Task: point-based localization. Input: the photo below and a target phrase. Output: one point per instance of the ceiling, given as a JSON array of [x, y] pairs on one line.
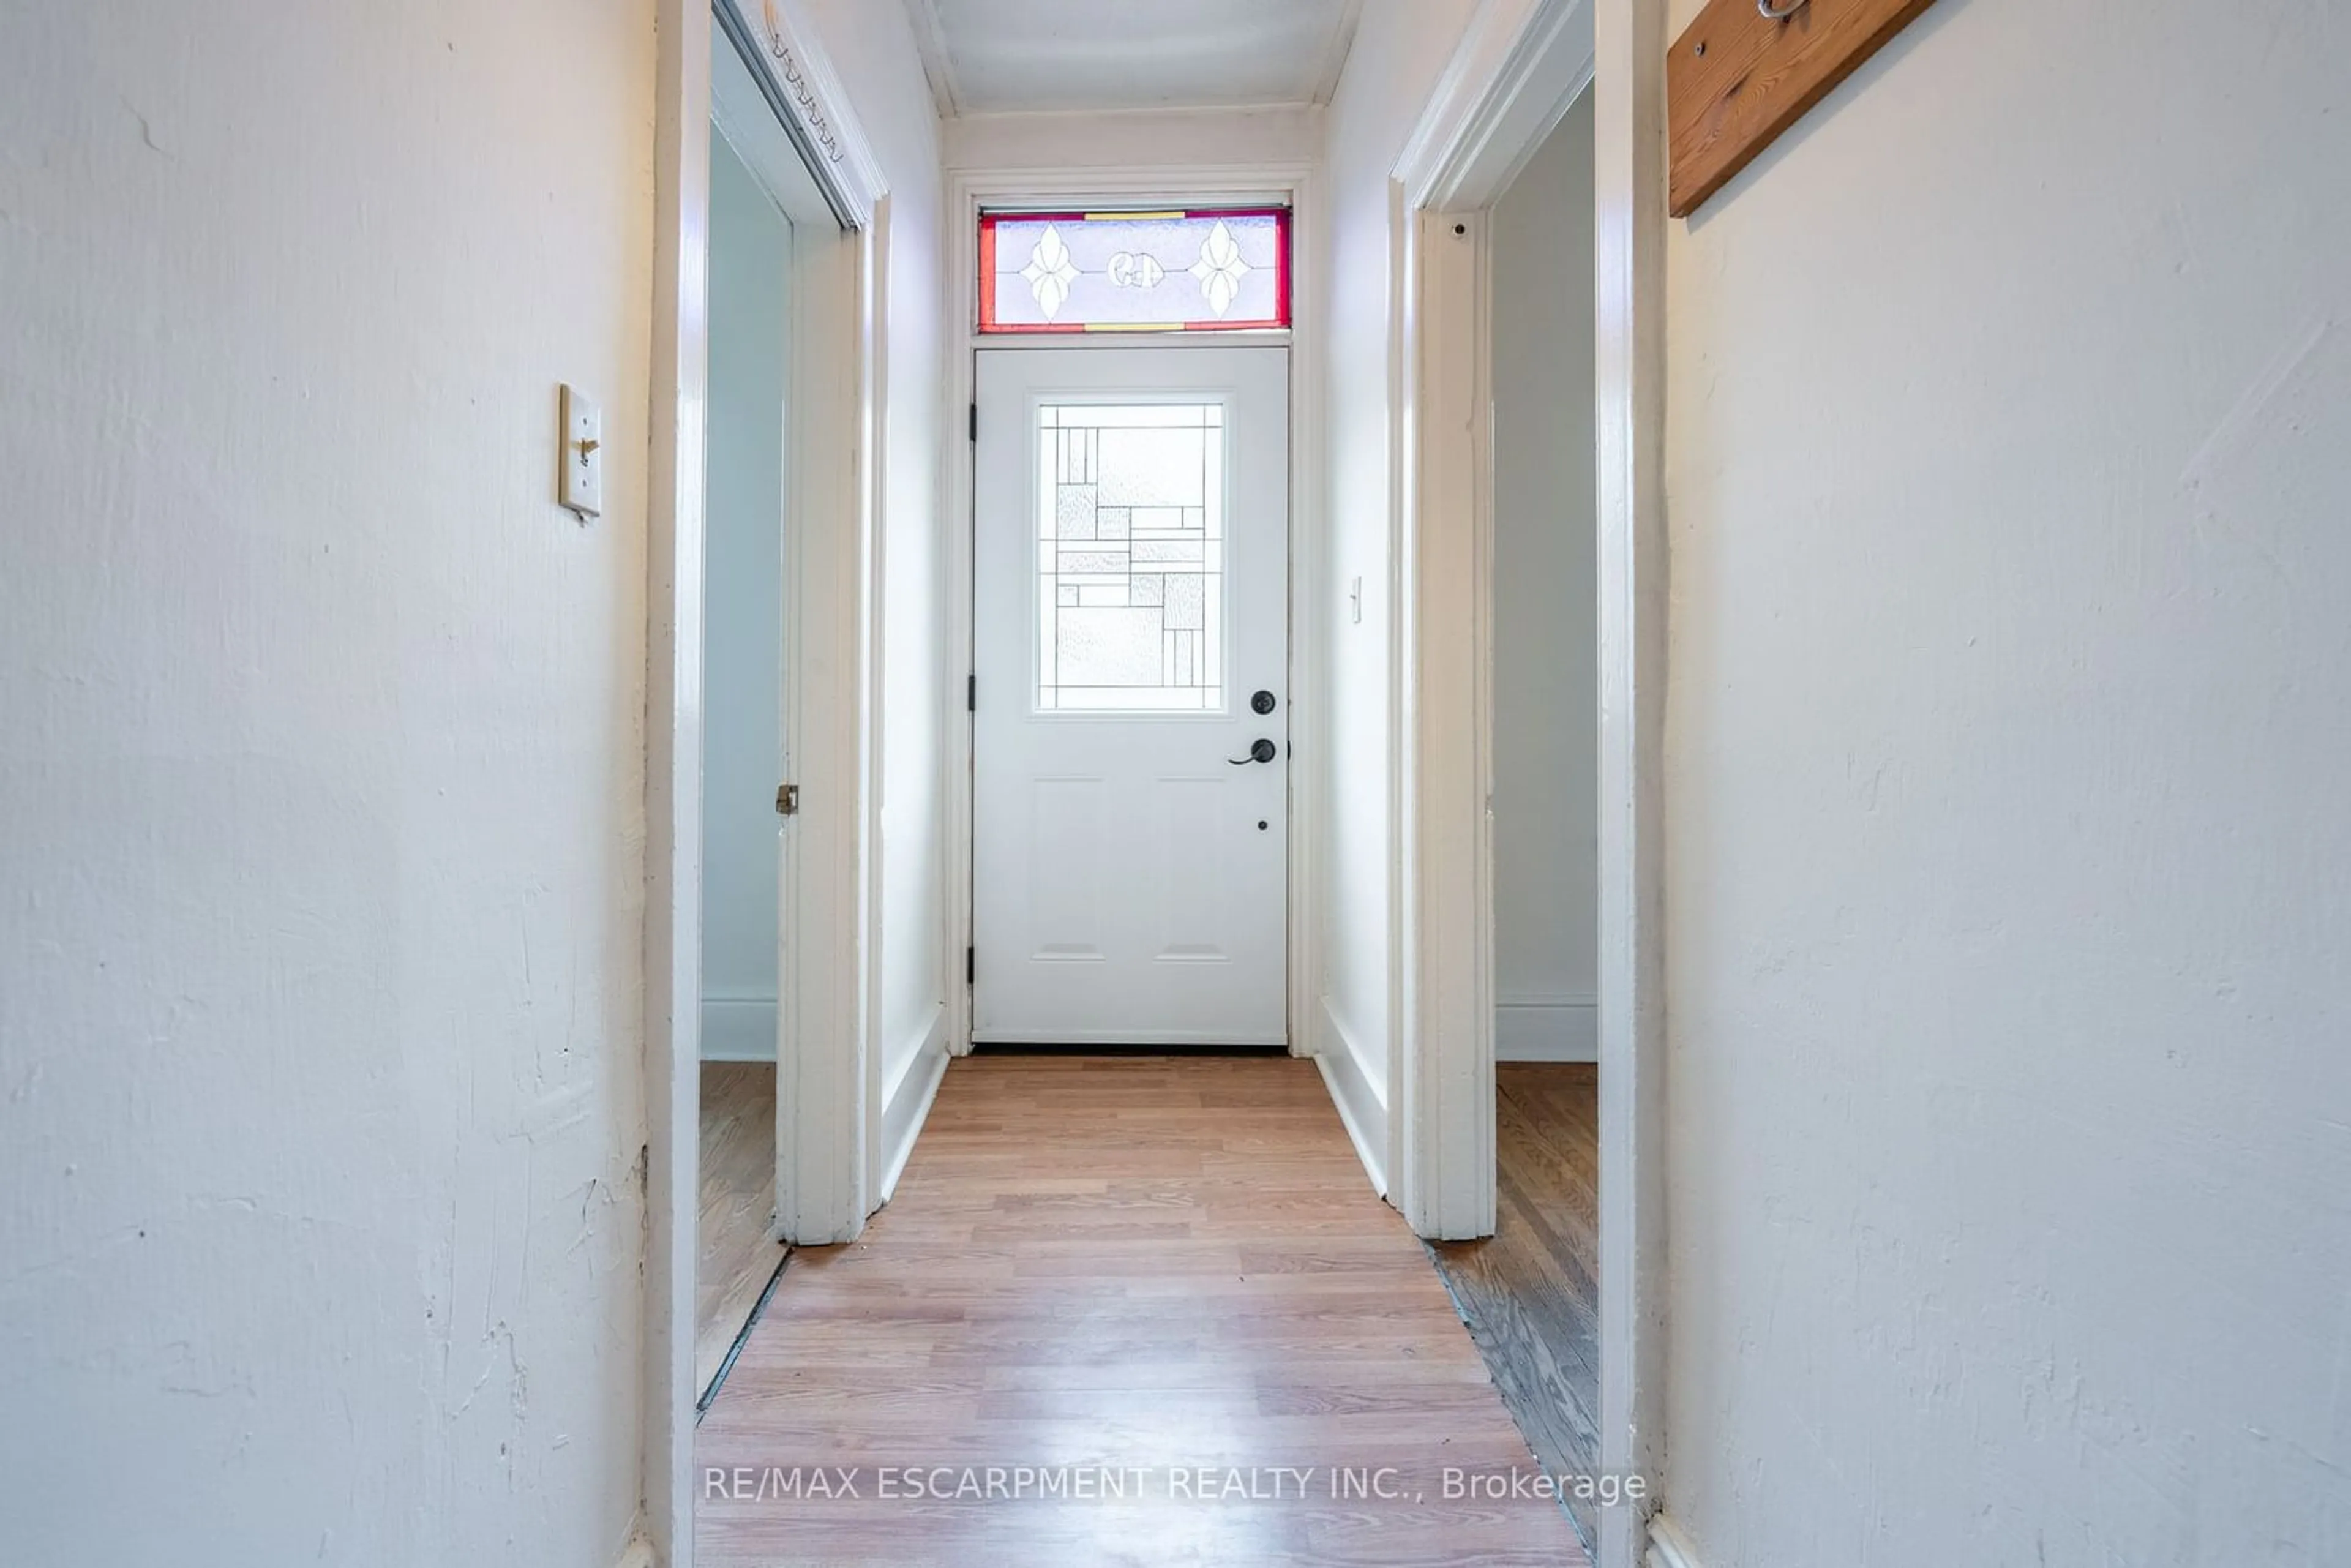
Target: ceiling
[[990, 57]]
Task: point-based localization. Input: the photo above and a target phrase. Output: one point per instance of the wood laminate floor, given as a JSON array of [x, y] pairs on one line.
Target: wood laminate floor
[[1528, 1291], [735, 1257], [1167, 1271]]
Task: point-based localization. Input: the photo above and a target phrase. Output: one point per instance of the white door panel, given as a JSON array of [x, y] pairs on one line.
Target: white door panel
[[1131, 537]]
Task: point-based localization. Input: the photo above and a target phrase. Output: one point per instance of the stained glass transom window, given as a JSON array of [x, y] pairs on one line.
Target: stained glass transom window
[[1133, 272], [1131, 558]]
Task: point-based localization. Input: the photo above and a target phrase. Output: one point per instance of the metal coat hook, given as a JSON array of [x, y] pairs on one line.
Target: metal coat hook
[[1763, 9]]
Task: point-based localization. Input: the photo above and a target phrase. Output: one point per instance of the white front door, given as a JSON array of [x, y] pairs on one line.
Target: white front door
[[1131, 711]]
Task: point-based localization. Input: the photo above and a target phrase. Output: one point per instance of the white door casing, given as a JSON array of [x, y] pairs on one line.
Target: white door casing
[[1130, 860], [824, 1185], [839, 447]]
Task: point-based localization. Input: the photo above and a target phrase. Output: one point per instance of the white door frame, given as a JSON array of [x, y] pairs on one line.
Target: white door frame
[[828, 1151], [1298, 185], [1186, 1006], [1521, 65]]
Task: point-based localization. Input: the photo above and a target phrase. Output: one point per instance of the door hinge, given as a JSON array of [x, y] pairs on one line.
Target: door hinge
[[788, 799], [971, 693], [970, 965], [974, 421]]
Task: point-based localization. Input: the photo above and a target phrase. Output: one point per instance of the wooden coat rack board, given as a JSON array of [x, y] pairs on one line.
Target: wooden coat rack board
[[1740, 76]]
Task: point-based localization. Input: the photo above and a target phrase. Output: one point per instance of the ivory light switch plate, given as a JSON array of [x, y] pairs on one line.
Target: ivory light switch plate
[[583, 454]]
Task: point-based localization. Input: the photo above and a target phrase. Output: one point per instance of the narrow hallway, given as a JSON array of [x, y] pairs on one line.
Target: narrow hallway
[[1161, 1275]]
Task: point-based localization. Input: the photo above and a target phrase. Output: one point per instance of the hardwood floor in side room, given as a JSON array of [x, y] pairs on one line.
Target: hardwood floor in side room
[[1128, 1265], [1529, 1290], [735, 1257]]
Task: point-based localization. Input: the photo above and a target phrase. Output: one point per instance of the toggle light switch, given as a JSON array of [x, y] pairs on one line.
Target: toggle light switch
[[583, 454]]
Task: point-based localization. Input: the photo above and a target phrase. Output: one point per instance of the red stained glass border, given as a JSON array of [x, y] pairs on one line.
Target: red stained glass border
[[989, 325]]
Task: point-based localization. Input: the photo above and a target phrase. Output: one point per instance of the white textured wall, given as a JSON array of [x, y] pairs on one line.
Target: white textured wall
[[1546, 675], [742, 682], [320, 781], [2010, 862], [1400, 50], [872, 46], [1131, 140]]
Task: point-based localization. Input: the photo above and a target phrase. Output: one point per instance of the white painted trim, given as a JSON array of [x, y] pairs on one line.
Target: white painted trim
[[1339, 44], [1516, 71], [1120, 145], [1630, 191], [1440, 710], [1441, 656], [946, 88], [1047, 342], [673, 629], [1403, 287], [738, 1029], [818, 109], [823, 490], [1668, 1547], [743, 96], [906, 1102], [1362, 1099], [1301, 185], [1309, 685], [824, 1055], [875, 483], [973, 189], [938, 59], [1547, 1028], [958, 388]]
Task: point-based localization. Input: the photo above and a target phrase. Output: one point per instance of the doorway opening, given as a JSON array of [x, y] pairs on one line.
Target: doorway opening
[[766, 208], [1125, 830], [1516, 77], [1529, 1292], [752, 72]]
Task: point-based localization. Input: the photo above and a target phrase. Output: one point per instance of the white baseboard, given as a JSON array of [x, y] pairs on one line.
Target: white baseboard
[[906, 1099], [738, 1029], [1362, 1099], [1668, 1547], [1547, 1028]]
